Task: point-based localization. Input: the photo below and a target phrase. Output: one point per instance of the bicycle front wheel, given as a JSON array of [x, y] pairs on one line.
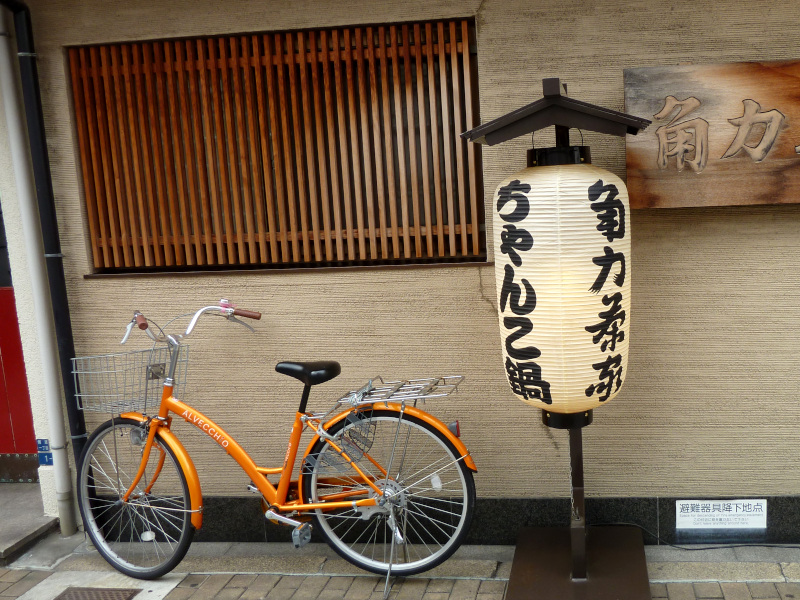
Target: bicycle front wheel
[[428, 494], [148, 535]]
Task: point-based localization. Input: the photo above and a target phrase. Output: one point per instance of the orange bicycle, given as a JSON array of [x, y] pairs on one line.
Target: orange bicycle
[[389, 486]]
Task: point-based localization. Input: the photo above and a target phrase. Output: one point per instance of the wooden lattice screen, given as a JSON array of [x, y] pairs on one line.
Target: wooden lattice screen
[[336, 146]]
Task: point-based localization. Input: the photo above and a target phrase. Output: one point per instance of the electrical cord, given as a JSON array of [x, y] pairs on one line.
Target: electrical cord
[[695, 548]]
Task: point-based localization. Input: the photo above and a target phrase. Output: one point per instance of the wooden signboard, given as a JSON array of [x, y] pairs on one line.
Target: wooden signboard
[[721, 135]]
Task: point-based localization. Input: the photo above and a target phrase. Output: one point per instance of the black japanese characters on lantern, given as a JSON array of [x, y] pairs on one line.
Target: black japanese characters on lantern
[[610, 374], [524, 375], [512, 291], [609, 327], [611, 214], [526, 380], [605, 263], [513, 240]]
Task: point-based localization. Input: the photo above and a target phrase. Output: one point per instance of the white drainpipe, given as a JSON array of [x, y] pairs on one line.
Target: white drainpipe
[[29, 214]]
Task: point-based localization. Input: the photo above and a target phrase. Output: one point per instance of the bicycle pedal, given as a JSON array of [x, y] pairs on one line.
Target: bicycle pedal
[[301, 535]]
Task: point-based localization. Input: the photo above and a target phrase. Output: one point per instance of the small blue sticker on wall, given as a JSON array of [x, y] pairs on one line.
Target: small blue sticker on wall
[[45, 455]]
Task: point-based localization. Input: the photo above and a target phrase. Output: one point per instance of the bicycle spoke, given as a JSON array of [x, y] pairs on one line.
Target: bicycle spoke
[[431, 520], [96, 465], [117, 523], [369, 543], [102, 512], [426, 476], [349, 529], [114, 462], [436, 508], [420, 537], [154, 522], [342, 517]]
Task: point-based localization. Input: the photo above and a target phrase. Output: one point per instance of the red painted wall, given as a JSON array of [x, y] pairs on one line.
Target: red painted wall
[[16, 422]]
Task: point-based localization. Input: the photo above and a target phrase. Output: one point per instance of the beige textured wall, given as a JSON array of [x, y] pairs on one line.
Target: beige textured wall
[[710, 404]]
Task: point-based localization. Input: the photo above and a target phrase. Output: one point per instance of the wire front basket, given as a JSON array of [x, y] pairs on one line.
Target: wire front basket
[[128, 381]]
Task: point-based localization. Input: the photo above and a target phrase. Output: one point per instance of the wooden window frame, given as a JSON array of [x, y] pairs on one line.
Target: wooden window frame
[[313, 148]]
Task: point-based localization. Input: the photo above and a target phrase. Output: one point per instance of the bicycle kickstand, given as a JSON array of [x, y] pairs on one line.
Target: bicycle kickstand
[[395, 534]]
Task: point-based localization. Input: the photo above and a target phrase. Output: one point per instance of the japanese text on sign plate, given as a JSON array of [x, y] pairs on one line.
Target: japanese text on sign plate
[[722, 514]]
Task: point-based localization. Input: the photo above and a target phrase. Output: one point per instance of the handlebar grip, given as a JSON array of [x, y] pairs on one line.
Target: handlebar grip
[[247, 314], [141, 321]]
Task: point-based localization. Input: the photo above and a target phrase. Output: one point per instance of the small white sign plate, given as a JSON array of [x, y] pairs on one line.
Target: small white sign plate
[[721, 514]]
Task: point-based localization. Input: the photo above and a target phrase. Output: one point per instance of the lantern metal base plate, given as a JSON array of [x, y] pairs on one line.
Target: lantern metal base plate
[[615, 565], [567, 420]]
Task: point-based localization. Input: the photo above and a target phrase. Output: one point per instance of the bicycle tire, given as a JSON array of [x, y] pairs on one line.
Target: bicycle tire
[[150, 534], [431, 493]]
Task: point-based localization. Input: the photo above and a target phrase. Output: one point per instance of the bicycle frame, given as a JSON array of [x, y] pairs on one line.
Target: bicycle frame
[[275, 497]]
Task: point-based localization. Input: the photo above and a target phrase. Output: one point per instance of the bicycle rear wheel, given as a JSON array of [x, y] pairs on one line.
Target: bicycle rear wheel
[[429, 492], [149, 535]]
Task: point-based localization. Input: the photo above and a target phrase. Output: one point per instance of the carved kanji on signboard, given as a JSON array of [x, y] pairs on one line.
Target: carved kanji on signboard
[[772, 121], [687, 141], [684, 139]]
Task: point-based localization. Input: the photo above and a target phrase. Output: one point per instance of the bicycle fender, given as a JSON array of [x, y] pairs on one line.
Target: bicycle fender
[[189, 470], [415, 412]]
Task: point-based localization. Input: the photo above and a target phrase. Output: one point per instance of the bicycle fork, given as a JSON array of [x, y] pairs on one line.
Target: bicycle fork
[[148, 446]]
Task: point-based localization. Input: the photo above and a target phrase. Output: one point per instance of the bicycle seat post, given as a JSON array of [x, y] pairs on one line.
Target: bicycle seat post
[[304, 398]]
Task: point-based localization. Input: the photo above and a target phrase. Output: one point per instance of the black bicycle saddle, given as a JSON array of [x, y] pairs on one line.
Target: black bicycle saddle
[[310, 373]]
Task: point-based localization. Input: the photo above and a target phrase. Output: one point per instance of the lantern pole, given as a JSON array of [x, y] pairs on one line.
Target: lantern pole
[[577, 523], [562, 136], [598, 563], [574, 423]]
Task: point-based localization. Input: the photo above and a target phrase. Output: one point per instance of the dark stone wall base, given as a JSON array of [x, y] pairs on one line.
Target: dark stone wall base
[[229, 519]]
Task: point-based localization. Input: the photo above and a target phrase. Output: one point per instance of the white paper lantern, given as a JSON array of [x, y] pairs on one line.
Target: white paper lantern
[[562, 263]]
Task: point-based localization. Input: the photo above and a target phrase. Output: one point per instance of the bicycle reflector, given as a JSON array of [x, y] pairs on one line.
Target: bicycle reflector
[[454, 428]]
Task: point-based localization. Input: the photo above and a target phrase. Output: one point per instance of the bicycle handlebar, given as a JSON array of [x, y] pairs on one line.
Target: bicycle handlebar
[[224, 308]]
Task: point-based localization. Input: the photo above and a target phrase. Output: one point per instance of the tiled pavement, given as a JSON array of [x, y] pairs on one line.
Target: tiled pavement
[[271, 587], [278, 572], [274, 587], [726, 590]]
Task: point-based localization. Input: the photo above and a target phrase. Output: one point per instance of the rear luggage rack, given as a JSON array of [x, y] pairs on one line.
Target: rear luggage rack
[[378, 390]]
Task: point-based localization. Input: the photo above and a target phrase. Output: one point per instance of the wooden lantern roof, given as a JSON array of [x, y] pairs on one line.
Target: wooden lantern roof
[[558, 110]]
